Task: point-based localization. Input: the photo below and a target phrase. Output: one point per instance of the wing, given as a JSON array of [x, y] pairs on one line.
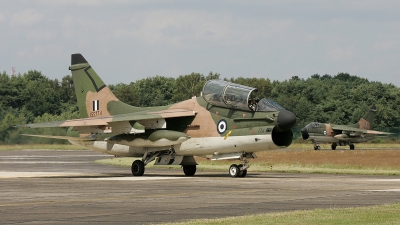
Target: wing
[[123, 123]]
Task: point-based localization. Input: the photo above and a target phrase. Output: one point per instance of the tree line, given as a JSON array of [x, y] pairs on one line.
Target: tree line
[[339, 99]]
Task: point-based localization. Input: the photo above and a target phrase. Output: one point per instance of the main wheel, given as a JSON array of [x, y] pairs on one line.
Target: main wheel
[[137, 168], [234, 170], [317, 147], [242, 173], [334, 146], [189, 170], [351, 147]]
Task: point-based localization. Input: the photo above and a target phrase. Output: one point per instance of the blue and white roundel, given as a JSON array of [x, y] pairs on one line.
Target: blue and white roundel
[[221, 126]]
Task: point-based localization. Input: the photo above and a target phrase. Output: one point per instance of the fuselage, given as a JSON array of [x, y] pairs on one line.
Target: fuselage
[[214, 130]]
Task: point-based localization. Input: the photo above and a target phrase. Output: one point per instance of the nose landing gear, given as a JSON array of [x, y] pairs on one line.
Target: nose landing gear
[[239, 170]]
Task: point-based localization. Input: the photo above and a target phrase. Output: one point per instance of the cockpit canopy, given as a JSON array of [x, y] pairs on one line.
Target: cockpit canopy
[[227, 94], [312, 125]]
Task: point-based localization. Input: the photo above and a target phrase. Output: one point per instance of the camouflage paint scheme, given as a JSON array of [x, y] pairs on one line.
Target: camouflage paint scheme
[[342, 135], [173, 133]]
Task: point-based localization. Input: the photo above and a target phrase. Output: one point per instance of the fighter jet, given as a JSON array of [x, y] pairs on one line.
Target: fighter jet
[[227, 121], [342, 135]]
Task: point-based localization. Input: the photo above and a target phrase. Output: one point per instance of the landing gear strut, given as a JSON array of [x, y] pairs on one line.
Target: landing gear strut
[[138, 166]]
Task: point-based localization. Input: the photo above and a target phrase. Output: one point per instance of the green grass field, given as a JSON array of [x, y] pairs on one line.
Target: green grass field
[[383, 215]]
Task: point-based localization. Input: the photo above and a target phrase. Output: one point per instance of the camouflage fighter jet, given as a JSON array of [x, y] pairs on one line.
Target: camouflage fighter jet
[[226, 122], [342, 135]]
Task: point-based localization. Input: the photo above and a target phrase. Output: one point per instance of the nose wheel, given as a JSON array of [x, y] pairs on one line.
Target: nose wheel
[[239, 170]]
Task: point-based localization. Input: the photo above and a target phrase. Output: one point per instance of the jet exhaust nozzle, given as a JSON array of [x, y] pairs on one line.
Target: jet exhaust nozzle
[[304, 133]]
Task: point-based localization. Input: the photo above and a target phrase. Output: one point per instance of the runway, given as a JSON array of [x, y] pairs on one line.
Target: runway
[[65, 187]]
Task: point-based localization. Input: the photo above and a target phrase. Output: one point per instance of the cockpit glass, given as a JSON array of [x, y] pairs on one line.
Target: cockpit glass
[[236, 96], [267, 105]]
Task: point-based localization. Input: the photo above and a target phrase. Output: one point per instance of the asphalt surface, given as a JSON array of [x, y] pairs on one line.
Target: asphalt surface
[[66, 187]]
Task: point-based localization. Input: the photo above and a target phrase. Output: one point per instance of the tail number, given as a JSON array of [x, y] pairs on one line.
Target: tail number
[[96, 113]]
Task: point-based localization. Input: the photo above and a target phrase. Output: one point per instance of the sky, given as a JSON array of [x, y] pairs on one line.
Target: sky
[[125, 41]]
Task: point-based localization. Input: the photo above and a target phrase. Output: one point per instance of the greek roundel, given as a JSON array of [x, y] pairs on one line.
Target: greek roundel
[[221, 126]]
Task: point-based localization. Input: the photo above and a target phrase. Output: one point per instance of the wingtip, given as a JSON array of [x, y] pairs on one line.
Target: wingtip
[[77, 58]]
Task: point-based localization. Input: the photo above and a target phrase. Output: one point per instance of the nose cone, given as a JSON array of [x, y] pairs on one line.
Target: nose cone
[[304, 133], [286, 120]]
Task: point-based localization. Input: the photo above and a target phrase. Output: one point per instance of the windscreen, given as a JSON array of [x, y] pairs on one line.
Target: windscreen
[[268, 105]]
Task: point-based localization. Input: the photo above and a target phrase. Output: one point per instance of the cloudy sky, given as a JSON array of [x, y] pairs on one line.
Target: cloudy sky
[[129, 40]]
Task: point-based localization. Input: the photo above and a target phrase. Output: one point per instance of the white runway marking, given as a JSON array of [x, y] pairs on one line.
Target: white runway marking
[[6, 174], [136, 178], [49, 156], [385, 180], [40, 162], [386, 190]]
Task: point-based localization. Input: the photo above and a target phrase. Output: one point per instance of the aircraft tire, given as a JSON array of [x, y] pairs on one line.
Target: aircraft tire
[[351, 147], [137, 168], [234, 170], [242, 173], [189, 170], [334, 146], [317, 147]]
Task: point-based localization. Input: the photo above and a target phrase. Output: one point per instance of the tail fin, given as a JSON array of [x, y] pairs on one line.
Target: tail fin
[[93, 96], [367, 121]]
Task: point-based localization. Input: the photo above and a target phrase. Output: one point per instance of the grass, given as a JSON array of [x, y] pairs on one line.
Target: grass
[[307, 145], [383, 214]]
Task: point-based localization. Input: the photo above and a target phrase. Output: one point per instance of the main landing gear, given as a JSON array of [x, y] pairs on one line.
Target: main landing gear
[[165, 157], [189, 170], [137, 168], [334, 145]]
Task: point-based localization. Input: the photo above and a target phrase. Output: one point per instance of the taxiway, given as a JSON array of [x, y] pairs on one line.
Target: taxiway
[[65, 187]]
